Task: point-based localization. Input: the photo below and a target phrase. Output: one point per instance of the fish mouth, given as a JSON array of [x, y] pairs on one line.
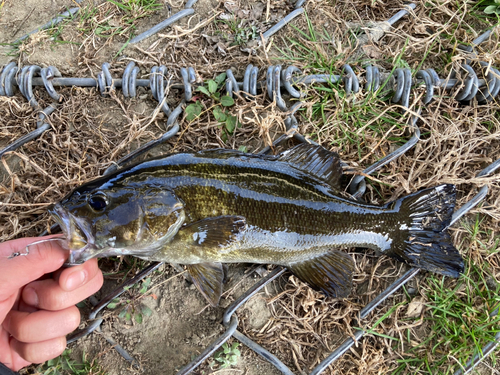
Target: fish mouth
[[80, 240]]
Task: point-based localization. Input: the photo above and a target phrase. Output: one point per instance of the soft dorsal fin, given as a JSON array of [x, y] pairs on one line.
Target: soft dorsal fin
[[316, 161], [331, 273]]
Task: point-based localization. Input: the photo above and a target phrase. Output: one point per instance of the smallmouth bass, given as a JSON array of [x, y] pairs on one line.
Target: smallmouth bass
[[224, 206]]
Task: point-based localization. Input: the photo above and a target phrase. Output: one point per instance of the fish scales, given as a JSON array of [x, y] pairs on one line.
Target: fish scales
[[266, 199], [223, 206]]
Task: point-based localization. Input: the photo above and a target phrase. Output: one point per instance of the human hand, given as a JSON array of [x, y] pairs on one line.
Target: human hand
[[37, 300]]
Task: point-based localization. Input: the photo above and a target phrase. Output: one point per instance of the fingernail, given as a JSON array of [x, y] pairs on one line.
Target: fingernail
[[75, 280], [30, 296]]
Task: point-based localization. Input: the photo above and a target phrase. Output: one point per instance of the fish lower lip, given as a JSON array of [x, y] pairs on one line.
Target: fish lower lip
[[77, 233]]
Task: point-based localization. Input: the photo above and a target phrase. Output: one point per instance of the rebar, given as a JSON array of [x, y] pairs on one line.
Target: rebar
[[278, 80]]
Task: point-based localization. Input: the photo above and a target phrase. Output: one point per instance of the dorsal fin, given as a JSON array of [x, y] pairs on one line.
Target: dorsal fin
[[221, 153], [316, 161]]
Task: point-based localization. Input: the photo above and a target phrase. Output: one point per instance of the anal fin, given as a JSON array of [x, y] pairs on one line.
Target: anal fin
[[209, 279], [331, 273]]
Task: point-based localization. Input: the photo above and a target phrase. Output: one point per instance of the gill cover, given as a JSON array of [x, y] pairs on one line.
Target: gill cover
[[118, 220]]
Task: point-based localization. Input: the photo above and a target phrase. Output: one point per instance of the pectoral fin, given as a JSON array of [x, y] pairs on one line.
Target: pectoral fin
[[212, 232], [331, 273], [208, 277]]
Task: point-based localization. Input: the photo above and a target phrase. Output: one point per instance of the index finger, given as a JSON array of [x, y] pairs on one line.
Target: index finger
[[43, 258]]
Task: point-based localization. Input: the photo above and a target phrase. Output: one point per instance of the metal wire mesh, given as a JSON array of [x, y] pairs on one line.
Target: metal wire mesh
[[278, 79]]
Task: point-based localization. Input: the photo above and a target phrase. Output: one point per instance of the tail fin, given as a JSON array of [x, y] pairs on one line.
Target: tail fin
[[425, 242]]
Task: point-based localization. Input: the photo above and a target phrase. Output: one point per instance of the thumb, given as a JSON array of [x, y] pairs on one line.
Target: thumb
[[43, 258]]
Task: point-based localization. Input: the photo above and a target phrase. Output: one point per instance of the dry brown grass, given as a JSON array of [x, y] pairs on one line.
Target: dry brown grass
[[90, 132]]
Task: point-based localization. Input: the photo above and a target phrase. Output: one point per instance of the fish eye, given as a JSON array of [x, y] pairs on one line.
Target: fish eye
[[98, 202]]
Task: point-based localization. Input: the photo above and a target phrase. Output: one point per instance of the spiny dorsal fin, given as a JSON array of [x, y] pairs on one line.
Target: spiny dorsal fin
[[221, 153], [209, 278], [316, 161], [331, 273]]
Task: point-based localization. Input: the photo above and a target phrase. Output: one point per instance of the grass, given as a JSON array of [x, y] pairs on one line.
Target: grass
[[53, 32], [344, 117], [137, 8], [120, 20], [457, 322], [111, 19], [460, 316], [56, 32], [487, 10], [66, 365], [235, 31]]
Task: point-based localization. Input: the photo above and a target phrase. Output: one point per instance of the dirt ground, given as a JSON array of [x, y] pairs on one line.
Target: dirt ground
[[89, 132]]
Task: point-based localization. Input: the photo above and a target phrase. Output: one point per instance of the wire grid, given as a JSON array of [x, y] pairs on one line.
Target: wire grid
[[488, 88]]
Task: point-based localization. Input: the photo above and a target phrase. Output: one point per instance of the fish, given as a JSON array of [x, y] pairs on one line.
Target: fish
[[207, 208]]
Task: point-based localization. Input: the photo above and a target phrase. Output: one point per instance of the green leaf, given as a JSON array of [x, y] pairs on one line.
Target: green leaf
[[114, 302], [220, 79], [492, 9], [122, 313], [226, 101], [119, 5], [219, 114], [138, 318], [231, 123], [192, 111], [212, 86], [243, 149], [146, 311], [204, 90], [128, 316], [81, 304]]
